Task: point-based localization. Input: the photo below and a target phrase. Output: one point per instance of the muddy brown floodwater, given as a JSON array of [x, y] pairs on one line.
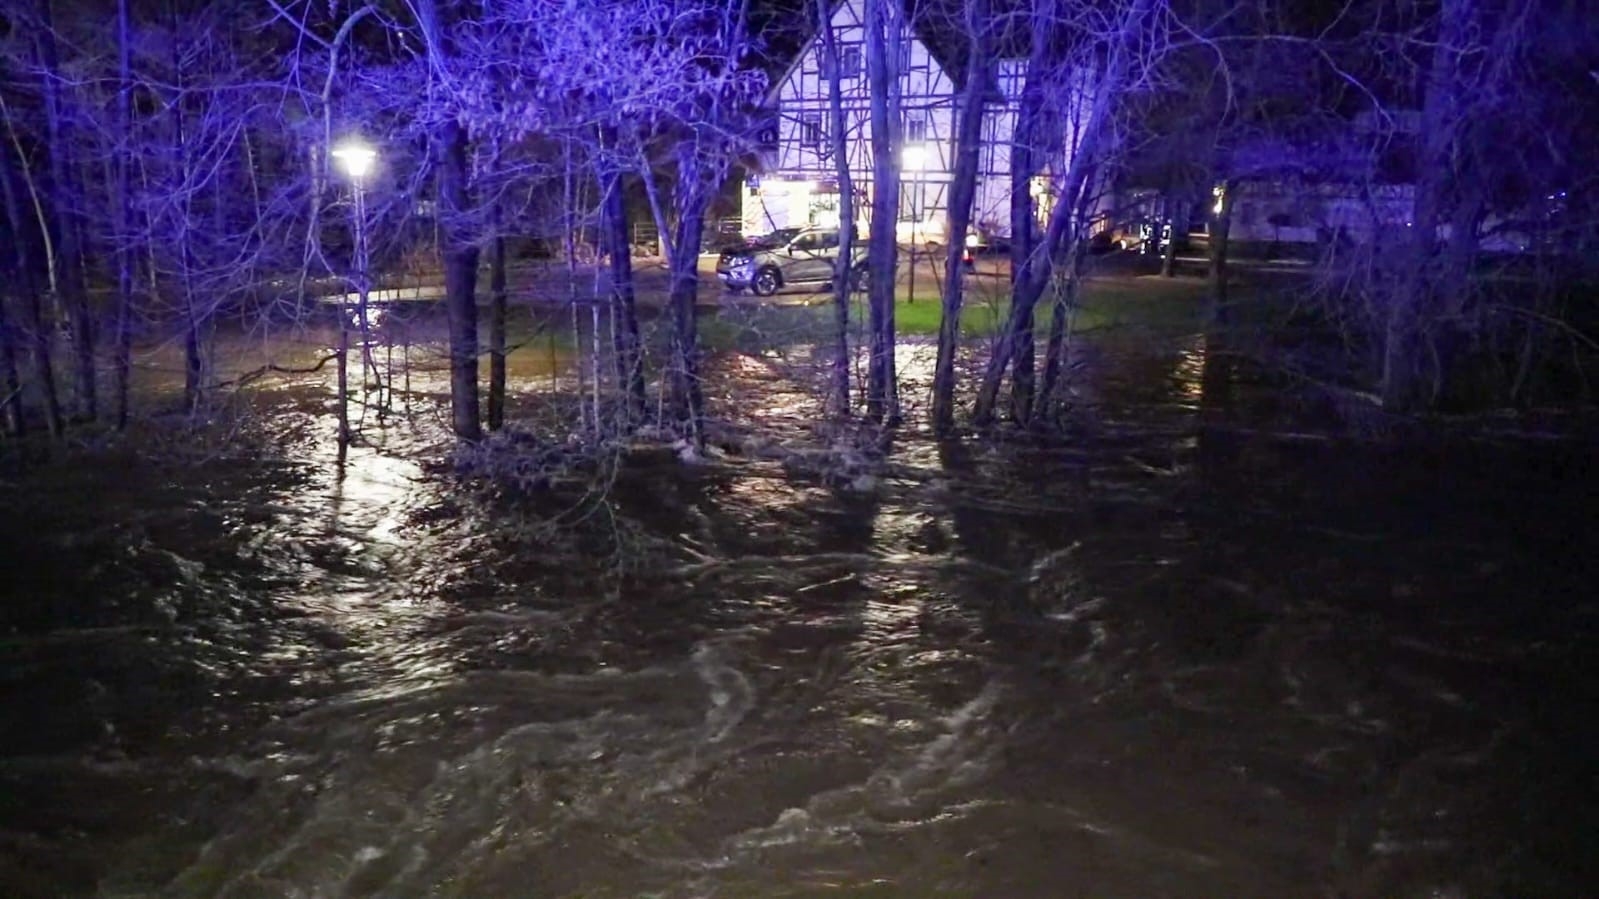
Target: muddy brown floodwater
[[1180, 655]]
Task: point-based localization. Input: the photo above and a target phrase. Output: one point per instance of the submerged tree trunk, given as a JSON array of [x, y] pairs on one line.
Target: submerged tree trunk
[[882, 63], [626, 342], [844, 277], [460, 280], [32, 306], [66, 198], [962, 191]]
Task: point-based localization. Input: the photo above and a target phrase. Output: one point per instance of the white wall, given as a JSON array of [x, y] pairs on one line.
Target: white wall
[[928, 94]]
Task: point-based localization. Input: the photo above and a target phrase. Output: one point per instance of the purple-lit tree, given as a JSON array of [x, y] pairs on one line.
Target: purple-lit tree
[[885, 23], [1084, 64], [844, 273], [979, 27]]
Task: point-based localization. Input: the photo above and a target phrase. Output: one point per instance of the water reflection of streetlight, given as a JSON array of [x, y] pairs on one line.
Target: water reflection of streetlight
[[913, 158], [357, 160]]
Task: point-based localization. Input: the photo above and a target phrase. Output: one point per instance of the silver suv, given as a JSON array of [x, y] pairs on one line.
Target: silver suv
[[808, 258]]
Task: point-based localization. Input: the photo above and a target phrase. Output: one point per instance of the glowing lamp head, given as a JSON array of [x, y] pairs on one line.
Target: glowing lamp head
[[355, 158], [914, 157]]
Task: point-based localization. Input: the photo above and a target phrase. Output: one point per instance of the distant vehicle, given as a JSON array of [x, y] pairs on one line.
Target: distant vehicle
[[808, 258], [1140, 236]]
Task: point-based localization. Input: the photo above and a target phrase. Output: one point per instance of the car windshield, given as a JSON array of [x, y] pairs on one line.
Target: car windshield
[[815, 240], [775, 239]]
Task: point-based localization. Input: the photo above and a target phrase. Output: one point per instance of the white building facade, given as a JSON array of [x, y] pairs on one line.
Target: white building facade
[[797, 183]]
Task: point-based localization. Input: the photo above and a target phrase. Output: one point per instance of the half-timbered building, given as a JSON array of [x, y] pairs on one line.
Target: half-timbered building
[[795, 184]]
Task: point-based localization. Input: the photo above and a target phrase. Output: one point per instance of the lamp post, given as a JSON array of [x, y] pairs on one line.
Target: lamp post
[[357, 160], [913, 159]]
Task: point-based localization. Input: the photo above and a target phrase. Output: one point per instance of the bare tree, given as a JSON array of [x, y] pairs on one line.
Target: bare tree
[[1053, 97], [884, 32], [963, 188], [845, 278], [32, 306], [122, 362], [65, 199], [628, 345], [10, 377]]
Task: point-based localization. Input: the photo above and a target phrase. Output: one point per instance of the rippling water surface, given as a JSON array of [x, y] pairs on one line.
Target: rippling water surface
[[1173, 657]]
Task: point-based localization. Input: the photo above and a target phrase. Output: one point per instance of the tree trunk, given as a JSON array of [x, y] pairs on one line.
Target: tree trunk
[[341, 362], [32, 307], [962, 191], [626, 342], [497, 311], [123, 360], [844, 271], [65, 197], [1221, 226], [1024, 165], [193, 361], [10, 382], [692, 195], [1062, 314], [1409, 308], [1072, 188], [882, 62], [460, 280], [844, 280], [1168, 253]]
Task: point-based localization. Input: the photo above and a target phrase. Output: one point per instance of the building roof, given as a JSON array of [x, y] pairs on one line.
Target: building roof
[[938, 24]]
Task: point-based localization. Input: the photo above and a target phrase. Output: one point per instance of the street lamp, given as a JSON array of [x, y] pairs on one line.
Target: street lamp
[[357, 160], [913, 158]]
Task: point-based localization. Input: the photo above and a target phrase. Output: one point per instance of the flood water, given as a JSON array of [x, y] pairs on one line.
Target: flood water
[[1179, 655]]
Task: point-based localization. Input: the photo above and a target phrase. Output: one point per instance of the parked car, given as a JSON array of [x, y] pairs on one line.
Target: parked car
[[809, 257], [739, 246]]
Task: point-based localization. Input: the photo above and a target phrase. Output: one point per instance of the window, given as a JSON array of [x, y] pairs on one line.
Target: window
[[915, 131], [904, 54], [811, 133], [849, 60]]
